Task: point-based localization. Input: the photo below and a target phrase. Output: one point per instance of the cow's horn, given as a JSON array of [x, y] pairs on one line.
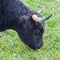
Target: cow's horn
[[38, 19], [41, 10]]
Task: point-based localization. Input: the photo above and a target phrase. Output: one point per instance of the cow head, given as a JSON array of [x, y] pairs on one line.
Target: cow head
[[31, 29]]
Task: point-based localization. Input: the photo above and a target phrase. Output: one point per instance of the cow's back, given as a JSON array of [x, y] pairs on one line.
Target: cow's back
[[12, 9]]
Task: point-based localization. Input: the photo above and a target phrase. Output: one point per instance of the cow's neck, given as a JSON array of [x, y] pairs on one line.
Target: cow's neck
[[11, 11]]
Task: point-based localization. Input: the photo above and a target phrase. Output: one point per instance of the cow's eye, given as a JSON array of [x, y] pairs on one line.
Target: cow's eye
[[37, 31], [41, 30]]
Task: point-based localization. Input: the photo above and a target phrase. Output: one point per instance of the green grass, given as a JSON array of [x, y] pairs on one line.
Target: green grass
[[11, 47]]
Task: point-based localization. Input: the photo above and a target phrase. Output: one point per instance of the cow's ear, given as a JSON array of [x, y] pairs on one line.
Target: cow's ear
[[23, 19]]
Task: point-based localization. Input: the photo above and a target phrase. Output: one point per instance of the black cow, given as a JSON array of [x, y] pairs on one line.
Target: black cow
[[27, 23]]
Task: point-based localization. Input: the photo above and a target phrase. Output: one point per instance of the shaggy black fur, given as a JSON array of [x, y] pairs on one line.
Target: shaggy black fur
[[15, 15]]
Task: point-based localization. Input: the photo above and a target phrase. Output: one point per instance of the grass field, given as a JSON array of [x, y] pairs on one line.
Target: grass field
[[12, 48]]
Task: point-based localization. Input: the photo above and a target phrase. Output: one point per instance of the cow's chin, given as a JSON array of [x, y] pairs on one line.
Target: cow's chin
[[36, 46], [33, 44]]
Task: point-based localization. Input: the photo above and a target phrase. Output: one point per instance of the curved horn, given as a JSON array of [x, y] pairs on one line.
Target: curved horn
[[41, 10], [46, 18], [37, 19]]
